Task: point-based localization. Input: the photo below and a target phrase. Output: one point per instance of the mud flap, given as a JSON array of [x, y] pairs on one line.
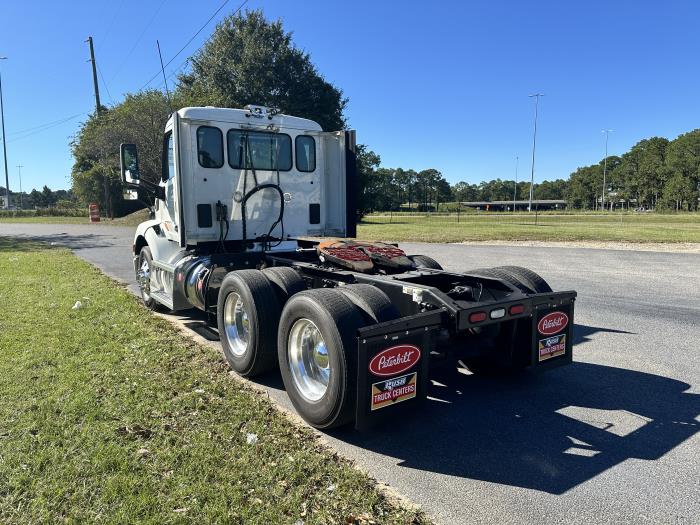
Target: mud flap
[[552, 331], [393, 364]]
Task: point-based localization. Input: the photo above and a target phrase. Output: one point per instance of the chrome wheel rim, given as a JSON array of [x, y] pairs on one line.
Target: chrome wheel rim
[[236, 324], [144, 278], [309, 362]]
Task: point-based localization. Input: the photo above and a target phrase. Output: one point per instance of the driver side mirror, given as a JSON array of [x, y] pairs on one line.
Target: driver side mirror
[[129, 164]]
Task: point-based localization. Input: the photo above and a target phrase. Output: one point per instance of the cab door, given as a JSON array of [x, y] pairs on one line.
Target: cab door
[[171, 214], [167, 208]]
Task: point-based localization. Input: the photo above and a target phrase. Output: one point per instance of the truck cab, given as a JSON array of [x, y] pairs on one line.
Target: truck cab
[[215, 157], [240, 180]]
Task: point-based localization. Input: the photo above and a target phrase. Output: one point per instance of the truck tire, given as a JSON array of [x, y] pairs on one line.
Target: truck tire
[[317, 351], [248, 312], [374, 303], [499, 273], [529, 278], [143, 277], [423, 261], [285, 281]]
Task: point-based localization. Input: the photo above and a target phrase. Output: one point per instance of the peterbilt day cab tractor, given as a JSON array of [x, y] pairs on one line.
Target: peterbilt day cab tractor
[[254, 223]]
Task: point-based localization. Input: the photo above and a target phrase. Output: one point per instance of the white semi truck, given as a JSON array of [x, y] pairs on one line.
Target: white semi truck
[[253, 223]]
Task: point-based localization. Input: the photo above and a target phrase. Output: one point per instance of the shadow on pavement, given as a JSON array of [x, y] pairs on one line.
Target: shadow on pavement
[[548, 432], [583, 333]]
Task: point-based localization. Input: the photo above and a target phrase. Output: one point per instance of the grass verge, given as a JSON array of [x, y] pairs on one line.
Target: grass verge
[[108, 416], [133, 219], [621, 227], [46, 220], [613, 227]]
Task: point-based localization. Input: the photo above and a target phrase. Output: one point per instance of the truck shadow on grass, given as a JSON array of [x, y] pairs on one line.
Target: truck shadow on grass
[[29, 243], [548, 432]]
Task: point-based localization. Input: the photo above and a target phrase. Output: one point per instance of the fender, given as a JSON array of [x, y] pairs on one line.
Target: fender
[[162, 249]]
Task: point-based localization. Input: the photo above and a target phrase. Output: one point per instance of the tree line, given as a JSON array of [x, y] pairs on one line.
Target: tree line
[[44, 198], [251, 60], [384, 189], [655, 173]]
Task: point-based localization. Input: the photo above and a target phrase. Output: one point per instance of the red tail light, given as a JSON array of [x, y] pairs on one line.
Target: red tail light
[[477, 317], [517, 309]]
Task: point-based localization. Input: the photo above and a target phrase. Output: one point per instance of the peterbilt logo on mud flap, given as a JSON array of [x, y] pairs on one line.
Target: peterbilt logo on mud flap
[[553, 323], [394, 360]]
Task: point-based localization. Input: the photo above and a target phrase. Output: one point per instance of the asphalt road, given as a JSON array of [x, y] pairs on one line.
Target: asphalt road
[[613, 438]]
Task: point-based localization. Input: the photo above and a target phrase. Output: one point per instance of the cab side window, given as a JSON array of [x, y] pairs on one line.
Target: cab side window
[[305, 147], [210, 147], [168, 160]]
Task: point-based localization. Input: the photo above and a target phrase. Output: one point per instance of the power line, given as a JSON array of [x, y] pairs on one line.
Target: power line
[[59, 121], [115, 17], [104, 82], [136, 43], [193, 37], [41, 129], [175, 71]]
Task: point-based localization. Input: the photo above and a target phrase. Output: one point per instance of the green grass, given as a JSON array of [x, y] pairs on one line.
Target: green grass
[[629, 227], [107, 415], [133, 219], [46, 220], [551, 226]]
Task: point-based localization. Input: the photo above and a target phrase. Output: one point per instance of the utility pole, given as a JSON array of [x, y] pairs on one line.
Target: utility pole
[[98, 106], [4, 146], [534, 143], [605, 167], [19, 170], [515, 188]]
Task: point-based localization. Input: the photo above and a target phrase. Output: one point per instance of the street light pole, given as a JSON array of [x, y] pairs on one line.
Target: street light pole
[[534, 143], [605, 167], [515, 188], [19, 170], [4, 146]]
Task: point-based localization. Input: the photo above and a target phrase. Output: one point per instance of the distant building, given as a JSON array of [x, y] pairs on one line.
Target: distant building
[[540, 204]]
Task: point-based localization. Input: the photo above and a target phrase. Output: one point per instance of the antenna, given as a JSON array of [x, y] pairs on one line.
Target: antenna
[[164, 77]]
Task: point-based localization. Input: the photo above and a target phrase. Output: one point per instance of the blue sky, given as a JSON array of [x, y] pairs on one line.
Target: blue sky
[[431, 84]]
